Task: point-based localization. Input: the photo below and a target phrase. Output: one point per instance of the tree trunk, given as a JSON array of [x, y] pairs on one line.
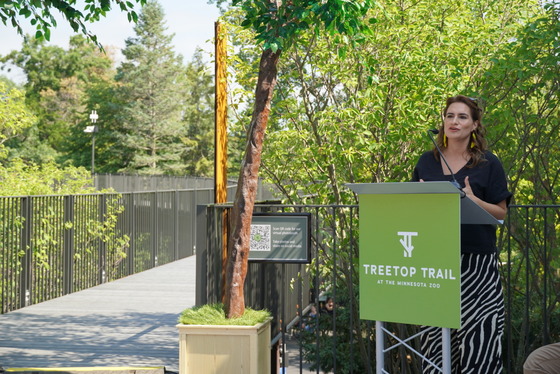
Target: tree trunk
[[238, 245]]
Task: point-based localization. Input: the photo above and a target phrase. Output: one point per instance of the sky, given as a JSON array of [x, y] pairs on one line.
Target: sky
[[192, 22]]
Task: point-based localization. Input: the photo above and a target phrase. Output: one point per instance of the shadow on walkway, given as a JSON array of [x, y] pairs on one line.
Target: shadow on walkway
[[129, 322]]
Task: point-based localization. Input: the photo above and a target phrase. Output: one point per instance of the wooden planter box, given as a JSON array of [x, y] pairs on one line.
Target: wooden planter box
[[224, 349]]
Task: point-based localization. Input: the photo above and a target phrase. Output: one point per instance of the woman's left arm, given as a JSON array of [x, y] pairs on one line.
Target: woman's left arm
[[498, 211]]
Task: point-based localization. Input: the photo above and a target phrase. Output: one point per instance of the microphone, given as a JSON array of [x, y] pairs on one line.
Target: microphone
[[454, 181]]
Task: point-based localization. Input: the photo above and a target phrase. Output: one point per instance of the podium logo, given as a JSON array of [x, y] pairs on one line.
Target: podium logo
[[406, 241]]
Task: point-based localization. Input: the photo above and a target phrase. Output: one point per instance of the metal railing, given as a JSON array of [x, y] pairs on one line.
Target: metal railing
[[55, 245], [342, 343], [143, 183], [51, 246]]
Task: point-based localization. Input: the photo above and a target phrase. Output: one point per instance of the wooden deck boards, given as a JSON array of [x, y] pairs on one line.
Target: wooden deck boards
[[129, 322]]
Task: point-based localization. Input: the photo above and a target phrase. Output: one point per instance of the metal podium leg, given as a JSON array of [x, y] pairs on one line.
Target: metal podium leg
[[379, 347], [446, 345]]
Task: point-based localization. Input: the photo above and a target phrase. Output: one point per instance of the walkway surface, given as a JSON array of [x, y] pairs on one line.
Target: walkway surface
[[129, 322]]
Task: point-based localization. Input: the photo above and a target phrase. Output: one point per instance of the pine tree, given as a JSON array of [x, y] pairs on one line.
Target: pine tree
[[152, 79]]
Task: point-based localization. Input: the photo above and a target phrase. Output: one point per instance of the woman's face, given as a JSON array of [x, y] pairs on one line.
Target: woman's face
[[458, 122]]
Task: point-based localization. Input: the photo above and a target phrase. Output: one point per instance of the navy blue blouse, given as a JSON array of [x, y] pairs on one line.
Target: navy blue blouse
[[488, 182]]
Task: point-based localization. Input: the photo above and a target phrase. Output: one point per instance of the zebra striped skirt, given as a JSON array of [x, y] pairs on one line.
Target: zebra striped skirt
[[476, 348]]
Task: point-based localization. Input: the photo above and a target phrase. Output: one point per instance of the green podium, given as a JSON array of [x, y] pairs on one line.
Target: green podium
[[410, 252]]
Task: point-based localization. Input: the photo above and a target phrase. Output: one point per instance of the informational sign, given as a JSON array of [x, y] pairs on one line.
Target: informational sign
[[280, 237], [410, 260]]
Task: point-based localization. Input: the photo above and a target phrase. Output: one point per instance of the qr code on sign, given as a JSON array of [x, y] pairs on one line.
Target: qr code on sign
[[260, 238]]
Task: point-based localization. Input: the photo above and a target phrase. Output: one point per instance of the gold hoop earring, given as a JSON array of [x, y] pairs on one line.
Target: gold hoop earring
[[473, 139], [445, 140]]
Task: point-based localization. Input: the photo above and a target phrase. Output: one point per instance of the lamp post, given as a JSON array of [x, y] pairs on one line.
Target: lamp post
[[92, 129]]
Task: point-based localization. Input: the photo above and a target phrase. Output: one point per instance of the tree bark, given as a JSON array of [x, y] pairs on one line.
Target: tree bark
[[238, 245]]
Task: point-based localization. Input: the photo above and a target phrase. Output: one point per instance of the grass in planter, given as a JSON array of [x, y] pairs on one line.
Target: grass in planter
[[213, 314]]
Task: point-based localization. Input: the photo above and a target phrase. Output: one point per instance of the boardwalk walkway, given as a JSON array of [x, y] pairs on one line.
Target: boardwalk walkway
[[129, 322]]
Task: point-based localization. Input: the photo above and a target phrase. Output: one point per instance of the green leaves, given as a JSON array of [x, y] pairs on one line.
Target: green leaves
[[278, 27], [15, 117], [521, 90], [40, 13], [21, 179]]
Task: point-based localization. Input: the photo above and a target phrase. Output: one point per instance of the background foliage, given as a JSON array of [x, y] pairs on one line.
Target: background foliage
[[363, 116], [155, 112]]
